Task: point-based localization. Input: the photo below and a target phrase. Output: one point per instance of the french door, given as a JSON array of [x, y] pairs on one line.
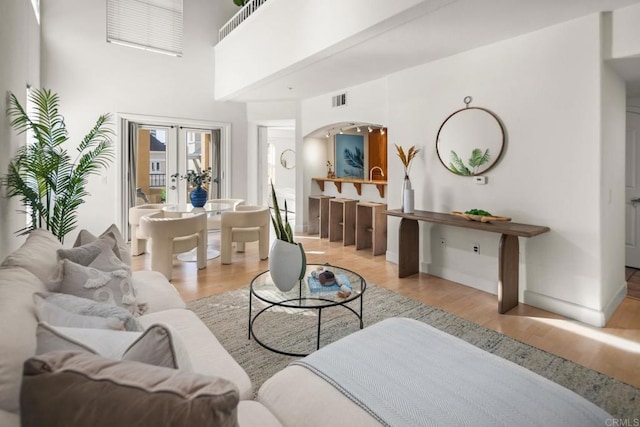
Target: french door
[[157, 154]]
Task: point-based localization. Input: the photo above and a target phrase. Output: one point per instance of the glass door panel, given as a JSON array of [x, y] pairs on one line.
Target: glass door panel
[[201, 150], [151, 164]]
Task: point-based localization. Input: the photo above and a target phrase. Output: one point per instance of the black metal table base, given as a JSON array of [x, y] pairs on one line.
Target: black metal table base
[[252, 319]]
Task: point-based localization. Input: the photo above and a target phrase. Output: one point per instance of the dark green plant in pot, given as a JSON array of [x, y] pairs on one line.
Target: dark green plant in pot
[[240, 2], [283, 228], [50, 183]]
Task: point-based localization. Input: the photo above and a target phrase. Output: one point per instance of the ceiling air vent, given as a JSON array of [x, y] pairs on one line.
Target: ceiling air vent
[[339, 100]]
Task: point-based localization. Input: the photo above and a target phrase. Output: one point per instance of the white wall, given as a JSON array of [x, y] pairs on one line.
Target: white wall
[[550, 172], [308, 30], [626, 32], [19, 67], [557, 120], [94, 77], [612, 190]]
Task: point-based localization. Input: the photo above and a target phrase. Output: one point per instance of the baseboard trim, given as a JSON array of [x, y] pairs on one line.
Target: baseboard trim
[[489, 286], [615, 301], [578, 312], [392, 257]]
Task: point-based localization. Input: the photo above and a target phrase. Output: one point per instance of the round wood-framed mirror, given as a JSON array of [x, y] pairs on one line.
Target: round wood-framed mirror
[[288, 159], [470, 141]]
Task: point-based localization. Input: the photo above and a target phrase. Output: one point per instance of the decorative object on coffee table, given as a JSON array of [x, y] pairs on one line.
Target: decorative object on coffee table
[[287, 260]]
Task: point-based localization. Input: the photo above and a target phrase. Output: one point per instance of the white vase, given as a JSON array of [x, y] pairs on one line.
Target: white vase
[[287, 264], [407, 202], [406, 186]]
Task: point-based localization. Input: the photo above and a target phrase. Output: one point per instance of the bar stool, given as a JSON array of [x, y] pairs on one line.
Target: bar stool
[[318, 221], [371, 227], [342, 221]]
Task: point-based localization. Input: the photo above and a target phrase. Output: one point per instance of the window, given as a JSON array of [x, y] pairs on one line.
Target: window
[[153, 25]]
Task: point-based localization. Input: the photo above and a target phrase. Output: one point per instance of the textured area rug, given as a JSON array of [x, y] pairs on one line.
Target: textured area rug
[[227, 315]]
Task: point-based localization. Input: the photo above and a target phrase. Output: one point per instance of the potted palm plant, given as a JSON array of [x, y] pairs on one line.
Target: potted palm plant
[[50, 183], [287, 260]]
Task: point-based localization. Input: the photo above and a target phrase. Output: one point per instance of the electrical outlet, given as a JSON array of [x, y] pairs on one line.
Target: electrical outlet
[[443, 242], [476, 248]]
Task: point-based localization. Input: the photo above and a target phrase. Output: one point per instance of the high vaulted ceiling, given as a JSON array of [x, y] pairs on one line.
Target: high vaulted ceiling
[[429, 35]]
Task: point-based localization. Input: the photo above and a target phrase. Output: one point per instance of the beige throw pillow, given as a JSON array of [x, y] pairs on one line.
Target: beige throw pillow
[[106, 279], [120, 246], [87, 253], [82, 389], [38, 256]]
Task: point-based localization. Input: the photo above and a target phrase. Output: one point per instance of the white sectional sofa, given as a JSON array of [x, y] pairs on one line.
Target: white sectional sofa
[[26, 270]]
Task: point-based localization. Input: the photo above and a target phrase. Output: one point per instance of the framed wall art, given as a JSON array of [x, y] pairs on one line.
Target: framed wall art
[[349, 156]]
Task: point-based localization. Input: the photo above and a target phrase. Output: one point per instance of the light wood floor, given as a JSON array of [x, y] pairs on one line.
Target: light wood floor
[[613, 350]]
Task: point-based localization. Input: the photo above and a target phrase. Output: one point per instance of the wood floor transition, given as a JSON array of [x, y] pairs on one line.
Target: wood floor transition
[[613, 350], [633, 282]]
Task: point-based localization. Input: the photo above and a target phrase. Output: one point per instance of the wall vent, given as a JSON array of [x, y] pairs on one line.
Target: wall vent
[[339, 100]]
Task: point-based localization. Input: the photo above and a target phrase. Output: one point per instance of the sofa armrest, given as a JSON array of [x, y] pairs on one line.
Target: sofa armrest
[[252, 413], [154, 289]]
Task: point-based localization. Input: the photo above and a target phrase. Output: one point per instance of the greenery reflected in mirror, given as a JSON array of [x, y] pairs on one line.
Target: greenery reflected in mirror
[[472, 131], [477, 159]]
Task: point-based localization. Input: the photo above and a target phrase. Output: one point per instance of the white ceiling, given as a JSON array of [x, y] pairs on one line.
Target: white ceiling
[[427, 36]]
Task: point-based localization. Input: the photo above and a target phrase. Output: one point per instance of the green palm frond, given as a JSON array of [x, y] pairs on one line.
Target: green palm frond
[[459, 167], [478, 158], [52, 186]]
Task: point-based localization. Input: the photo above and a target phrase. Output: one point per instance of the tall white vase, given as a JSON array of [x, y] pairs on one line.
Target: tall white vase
[[407, 192], [407, 202], [287, 264]]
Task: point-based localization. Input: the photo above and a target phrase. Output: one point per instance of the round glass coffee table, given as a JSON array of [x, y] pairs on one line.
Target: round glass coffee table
[[308, 294]]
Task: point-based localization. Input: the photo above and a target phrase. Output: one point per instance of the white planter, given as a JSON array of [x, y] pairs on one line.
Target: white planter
[[287, 264]]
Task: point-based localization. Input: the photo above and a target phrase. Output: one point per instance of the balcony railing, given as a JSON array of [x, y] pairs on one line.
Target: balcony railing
[[239, 17], [157, 180]]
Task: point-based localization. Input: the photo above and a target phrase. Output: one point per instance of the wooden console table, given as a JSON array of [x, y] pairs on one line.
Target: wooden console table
[[508, 257]]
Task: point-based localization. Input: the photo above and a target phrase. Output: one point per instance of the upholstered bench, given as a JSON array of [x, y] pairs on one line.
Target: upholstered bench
[[405, 372]]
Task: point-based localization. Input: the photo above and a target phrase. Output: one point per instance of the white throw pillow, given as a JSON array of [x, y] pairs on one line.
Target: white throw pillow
[[105, 342], [88, 308], [159, 345], [54, 315], [106, 280]]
